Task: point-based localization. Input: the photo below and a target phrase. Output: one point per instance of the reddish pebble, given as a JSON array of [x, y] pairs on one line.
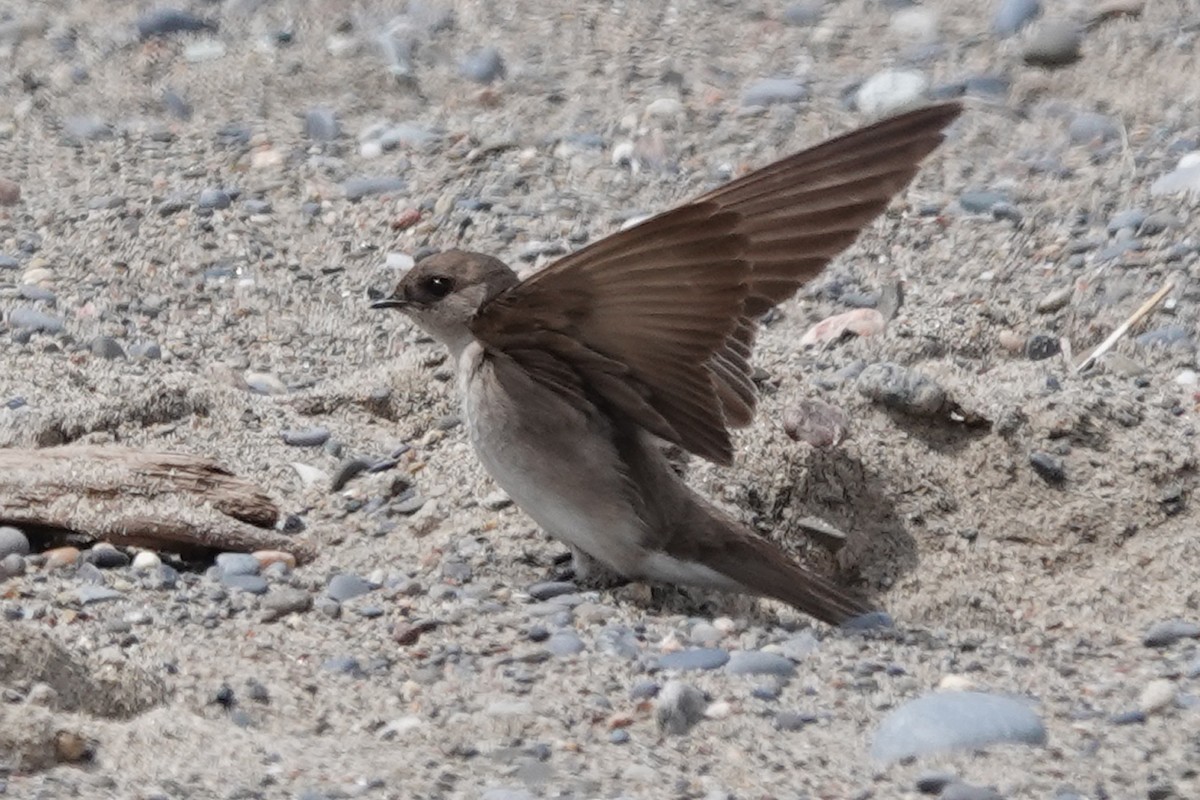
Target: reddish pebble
[[61, 557], [10, 192], [268, 557], [407, 218], [860, 321]]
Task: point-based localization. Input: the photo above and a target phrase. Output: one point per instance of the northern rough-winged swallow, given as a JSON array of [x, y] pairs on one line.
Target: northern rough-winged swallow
[[570, 378]]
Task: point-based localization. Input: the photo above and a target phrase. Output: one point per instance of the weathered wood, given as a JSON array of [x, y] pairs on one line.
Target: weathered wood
[[160, 500]]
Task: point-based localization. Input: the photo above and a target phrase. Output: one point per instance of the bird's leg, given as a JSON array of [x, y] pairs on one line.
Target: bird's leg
[[585, 571]]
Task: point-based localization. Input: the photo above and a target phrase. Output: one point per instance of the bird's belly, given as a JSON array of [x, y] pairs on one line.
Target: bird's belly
[[556, 465]]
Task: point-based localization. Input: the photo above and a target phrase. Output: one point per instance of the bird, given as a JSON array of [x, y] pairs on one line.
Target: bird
[[574, 380]]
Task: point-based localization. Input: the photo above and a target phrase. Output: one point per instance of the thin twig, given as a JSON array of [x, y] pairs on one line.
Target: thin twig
[[1124, 327]]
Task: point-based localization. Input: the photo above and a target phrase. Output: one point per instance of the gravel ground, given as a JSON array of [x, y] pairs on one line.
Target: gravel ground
[[194, 206]]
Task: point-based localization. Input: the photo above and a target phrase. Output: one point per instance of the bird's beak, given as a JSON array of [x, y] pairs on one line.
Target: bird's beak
[[392, 301]]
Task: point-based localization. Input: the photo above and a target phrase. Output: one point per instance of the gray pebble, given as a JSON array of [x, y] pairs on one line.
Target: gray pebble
[[1166, 336], [89, 573], [358, 188], [1049, 468], [1157, 223], [550, 589], [793, 720], [565, 643], [307, 437], [8, 262], [346, 586], [12, 566], [1181, 179], [870, 621], [483, 66], [1087, 127], [343, 665], [321, 125], [619, 736], [79, 129], [774, 91], [1041, 346], [253, 584], [283, 601], [33, 320], [90, 594], [173, 204], [213, 198], [890, 90], [967, 791], [1164, 634], [800, 646], [107, 348], [149, 351], [166, 21], [13, 541], [1129, 218], [257, 206], [237, 564], [347, 471], [619, 641], [901, 389], [176, 105], [679, 707], [805, 12], [949, 721], [699, 658], [106, 557], [37, 294], [757, 662], [1132, 717], [1053, 43], [1013, 15], [934, 782], [981, 201]]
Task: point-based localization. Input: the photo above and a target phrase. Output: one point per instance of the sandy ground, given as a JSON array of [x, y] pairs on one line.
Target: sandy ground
[[995, 575]]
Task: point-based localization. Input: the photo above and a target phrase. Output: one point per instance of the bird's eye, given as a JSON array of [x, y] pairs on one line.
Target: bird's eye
[[435, 287]]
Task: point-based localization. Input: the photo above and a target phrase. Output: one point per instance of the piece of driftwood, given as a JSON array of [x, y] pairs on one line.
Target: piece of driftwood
[[159, 500]]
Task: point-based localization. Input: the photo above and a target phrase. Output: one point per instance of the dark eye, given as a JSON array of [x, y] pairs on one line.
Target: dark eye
[[435, 287]]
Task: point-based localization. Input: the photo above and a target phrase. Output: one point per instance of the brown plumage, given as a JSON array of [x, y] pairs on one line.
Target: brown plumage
[[650, 331]]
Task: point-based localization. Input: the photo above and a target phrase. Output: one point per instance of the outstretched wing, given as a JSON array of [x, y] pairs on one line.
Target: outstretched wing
[[659, 320]]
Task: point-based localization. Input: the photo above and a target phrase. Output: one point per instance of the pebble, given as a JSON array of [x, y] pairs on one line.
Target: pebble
[[860, 322], [679, 707], [915, 23], [1164, 634], [1185, 178], [1049, 468], [1040, 346], [800, 646], [774, 91], [1013, 15], [90, 594], [1157, 695], [950, 721], [357, 188], [1053, 43], [889, 91], [59, 557], [550, 589], [1129, 218], [148, 351], [105, 556], [10, 192], [699, 658], [901, 389], [275, 558], [284, 601], [805, 12], [253, 584], [1166, 336], [321, 125], [264, 383], [107, 348], [981, 201], [204, 50], [565, 643], [1089, 127], [934, 782], [343, 665], [33, 320], [13, 541], [793, 720], [236, 564], [757, 662], [346, 586], [1055, 300], [12, 565], [213, 198], [306, 437], [969, 791], [485, 65], [146, 560], [166, 21]]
